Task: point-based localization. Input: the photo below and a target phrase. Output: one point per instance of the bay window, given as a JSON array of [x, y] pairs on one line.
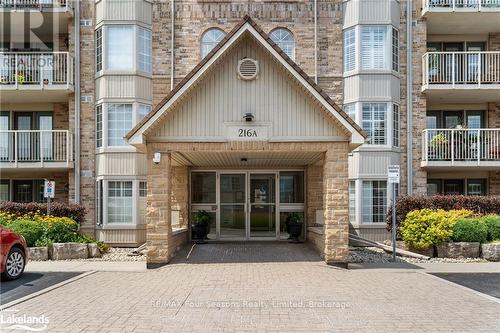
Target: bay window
[[395, 125], [114, 120], [123, 48], [371, 47], [352, 201]]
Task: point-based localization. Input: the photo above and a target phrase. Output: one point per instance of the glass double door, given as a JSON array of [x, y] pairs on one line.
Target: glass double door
[[247, 206]]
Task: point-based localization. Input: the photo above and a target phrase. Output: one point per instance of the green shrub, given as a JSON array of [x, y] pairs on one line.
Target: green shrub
[[425, 227], [493, 224], [470, 230], [31, 230]]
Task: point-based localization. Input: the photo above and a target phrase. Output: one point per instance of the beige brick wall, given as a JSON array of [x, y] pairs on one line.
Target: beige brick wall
[[180, 199], [314, 193], [419, 102], [192, 18]]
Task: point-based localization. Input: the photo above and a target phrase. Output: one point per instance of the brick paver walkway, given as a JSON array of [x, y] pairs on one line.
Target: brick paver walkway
[[237, 292]]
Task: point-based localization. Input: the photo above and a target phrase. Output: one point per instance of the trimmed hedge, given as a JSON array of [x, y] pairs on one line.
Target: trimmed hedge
[[58, 209], [493, 224], [470, 230], [478, 204]]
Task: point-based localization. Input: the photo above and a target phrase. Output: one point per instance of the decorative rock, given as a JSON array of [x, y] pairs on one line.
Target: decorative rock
[[490, 251], [64, 251], [38, 253], [458, 250], [94, 251], [401, 245]]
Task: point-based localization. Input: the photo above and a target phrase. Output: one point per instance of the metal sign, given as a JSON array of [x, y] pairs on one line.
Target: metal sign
[[49, 189], [393, 174]]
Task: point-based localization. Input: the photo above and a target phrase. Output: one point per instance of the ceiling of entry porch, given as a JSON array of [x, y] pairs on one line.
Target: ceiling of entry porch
[[246, 159]]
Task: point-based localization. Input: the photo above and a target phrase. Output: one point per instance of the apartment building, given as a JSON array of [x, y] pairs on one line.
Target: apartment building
[[231, 107]]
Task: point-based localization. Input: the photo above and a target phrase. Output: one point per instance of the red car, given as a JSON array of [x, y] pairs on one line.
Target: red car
[[13, 254]]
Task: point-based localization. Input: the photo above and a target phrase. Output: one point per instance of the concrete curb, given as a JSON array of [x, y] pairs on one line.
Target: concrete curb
[[491, 298], [46, 290]]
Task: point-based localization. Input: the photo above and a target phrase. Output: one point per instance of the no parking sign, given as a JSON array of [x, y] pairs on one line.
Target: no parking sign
[[49, 189]]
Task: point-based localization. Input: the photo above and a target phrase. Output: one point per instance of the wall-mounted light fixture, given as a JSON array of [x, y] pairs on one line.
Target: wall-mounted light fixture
[[157, 158], [248, 116], [243, 159]]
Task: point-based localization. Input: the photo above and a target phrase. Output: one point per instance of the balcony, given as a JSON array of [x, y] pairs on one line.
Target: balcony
[[461, 77], [47, 77], [461, 148], [37, 5], [35, 149], [461, 16]]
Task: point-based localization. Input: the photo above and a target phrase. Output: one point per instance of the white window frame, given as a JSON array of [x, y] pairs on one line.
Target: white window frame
[[280, 42], [136, 117], [137, 200], [213, 43], [396, 126], [136, 68], [388, 50], [98, 50], [352, 48], [372, 120], [362, 206]]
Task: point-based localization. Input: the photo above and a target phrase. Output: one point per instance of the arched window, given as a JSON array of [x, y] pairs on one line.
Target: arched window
[[284, 39], [210, 38]]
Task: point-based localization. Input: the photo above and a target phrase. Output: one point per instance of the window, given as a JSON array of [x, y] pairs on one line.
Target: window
[[144, 50], [98, 49], [210, 39], [119, 123], [284, 39], [349, 50], [203, 186], [98, 126], [395, 50], [100, 200], [350, 109], [119, 47], [4, 190], [395, 125], [143, 189], [352, 201], [433, 186], [142, 111], [120, 202], [374, 201], [374, 118], [373, 50], [476, 186]]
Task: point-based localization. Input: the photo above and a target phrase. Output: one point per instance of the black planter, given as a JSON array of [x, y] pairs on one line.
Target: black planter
[[200, 232], [295, 229]]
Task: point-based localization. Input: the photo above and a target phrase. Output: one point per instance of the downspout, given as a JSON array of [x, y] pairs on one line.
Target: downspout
[[316, 41], [409, 97], [77, 102], [172, 55]]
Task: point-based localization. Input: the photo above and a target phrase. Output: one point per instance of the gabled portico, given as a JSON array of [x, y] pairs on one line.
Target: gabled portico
[[247, 110]]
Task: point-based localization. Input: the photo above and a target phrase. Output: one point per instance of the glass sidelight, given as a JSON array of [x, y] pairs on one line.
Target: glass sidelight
[[263, 205]]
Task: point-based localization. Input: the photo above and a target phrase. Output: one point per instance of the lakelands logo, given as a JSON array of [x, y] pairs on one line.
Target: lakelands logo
[[11, 321]]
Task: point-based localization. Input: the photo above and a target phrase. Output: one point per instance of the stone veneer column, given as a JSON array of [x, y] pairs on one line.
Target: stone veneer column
[[158, 213], [335, 203]]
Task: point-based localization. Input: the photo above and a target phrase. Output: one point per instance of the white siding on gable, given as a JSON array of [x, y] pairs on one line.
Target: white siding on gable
[[273, 98]]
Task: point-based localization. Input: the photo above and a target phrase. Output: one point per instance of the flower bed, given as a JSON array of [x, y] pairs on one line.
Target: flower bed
[[40, 231]]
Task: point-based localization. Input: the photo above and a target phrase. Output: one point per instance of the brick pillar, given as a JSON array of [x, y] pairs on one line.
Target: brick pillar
[[335, 205], [158, 213]]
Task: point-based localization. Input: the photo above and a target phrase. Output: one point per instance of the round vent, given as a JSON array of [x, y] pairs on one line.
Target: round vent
[[248, 68]]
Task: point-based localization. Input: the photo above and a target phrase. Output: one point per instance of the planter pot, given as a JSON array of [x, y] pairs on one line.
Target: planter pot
[[458, 250], [490, 251], [200, 233], [38, 253], [294, 230]]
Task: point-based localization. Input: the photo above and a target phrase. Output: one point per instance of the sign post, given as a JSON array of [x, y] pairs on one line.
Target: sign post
[[393, 178], [49, 190]]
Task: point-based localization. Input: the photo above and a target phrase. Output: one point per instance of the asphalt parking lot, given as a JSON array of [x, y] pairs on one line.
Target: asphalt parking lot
[[31, 282], [486, 283]]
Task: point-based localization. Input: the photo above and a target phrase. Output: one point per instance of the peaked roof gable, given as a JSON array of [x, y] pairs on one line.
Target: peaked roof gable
[[135, 136]]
